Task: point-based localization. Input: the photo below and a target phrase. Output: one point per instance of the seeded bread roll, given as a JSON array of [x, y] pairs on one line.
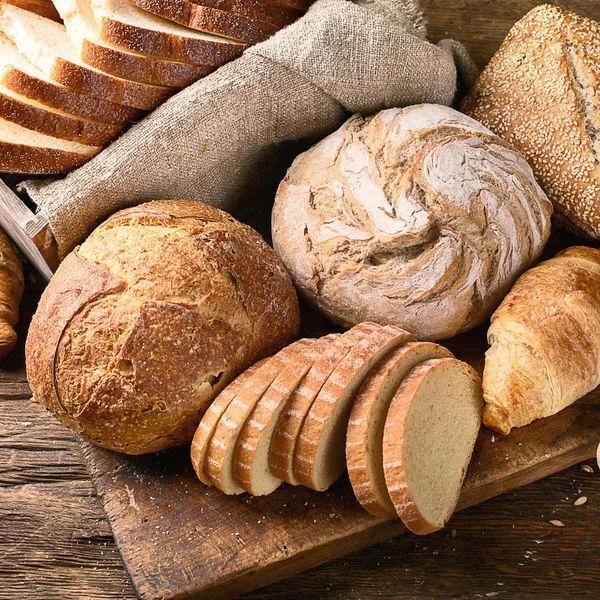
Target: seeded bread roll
[[146, 321], [418, 217], [541, 93]]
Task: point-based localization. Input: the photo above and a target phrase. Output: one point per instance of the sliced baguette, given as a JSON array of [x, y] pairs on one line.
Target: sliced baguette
[[45, 43], [127, 26], [291, 419], [211, 417], [26, 151], [83, 31], [364, 438], [221, 446], [251, 461], [209, 20], [320, 456], [428, 439]]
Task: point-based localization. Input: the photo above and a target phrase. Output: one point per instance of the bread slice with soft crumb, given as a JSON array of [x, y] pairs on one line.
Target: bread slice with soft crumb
[[251, 461], [46, 44], [364, 437], [429, 436], [26, 151]]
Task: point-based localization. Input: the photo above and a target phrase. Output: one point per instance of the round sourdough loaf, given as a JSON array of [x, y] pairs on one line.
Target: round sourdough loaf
[[146, 321], [417, 217]]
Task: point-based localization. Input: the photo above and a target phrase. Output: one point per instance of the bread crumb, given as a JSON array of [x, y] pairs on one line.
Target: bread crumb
[[581, 500], [557, 523]]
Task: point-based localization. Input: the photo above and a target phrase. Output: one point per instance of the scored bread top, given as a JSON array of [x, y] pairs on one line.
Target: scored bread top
[[319, 458], [364, 437]]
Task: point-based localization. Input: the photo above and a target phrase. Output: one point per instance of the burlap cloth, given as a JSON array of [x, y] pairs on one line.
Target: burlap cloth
[[223, 137]]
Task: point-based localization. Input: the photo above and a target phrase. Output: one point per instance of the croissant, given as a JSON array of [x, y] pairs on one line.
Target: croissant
[[545, 341]]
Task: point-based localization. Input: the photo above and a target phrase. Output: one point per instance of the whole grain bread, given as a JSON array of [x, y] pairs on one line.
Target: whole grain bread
[[179, 298]]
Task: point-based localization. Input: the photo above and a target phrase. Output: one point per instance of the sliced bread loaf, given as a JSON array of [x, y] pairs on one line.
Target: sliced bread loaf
[[222, 445], [82, 29], [210, 419], [209, 20], [251, 462], [45, 43], [127, 26], [320, 458], [428, 439], [291, 419], [26, 151], [364, 438]]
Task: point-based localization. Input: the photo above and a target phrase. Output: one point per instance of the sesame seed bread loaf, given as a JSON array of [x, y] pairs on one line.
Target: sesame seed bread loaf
[[544, 341], [291, 419], [540, 92], [251, 463], [26, 151], [211, 418], [127, 26], [428, 439], [416, 217], [364, 437], [222, 445], [178, 298], [45, 43], [209, 20], [319, 458]]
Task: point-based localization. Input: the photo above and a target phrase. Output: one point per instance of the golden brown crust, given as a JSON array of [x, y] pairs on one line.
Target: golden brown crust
[[45, 8], [11, 290]]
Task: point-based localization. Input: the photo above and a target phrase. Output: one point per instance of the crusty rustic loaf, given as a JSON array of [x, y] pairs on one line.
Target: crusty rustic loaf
[[540, 92], [147, 320], [418, 217], [545, 341], [11, 290]]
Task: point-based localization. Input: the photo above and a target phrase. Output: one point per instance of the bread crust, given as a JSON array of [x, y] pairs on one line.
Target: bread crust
[[209, 20]]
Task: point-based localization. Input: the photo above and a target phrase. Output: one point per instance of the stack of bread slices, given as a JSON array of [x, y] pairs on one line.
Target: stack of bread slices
[[402, 416], [67, 89]]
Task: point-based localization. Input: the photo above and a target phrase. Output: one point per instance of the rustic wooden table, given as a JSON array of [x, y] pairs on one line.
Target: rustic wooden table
[[55, 542]]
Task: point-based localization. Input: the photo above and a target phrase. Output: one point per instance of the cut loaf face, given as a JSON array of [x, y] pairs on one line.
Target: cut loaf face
[[222, 445], [45, 43], [291, 419], [251, 468], [127, 26], [428, 439], [320, 459], [26, 151], [364, 438]]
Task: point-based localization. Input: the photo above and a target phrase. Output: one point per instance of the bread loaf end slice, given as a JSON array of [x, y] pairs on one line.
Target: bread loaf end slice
[[429, 435]]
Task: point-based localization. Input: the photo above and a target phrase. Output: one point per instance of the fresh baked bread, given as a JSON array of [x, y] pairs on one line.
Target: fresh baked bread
[[11, 290], [540, 92], [220, 456], [209, 20], [127, 26], [364, 437], [417, 217], [251, 461], [178, 298], [291, 419], [45, 43], [428, 439], [26, 151], [319, 458], [544, 341]]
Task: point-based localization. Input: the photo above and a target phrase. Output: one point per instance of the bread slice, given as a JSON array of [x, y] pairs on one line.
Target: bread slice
[[41, 7], [127, 26], [291, 419], [251, 461], [222, 444], [209, 20], [428, 439], [45, 43], [26, 151], [320, 458], [83, 31], [211, 417], [364, 437], [298, 4]]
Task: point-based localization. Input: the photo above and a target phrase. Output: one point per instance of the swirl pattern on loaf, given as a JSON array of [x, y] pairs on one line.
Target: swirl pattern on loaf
[[418, 217]]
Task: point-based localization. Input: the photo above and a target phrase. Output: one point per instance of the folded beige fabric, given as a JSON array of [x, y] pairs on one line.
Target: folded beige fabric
[[221, 138]]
